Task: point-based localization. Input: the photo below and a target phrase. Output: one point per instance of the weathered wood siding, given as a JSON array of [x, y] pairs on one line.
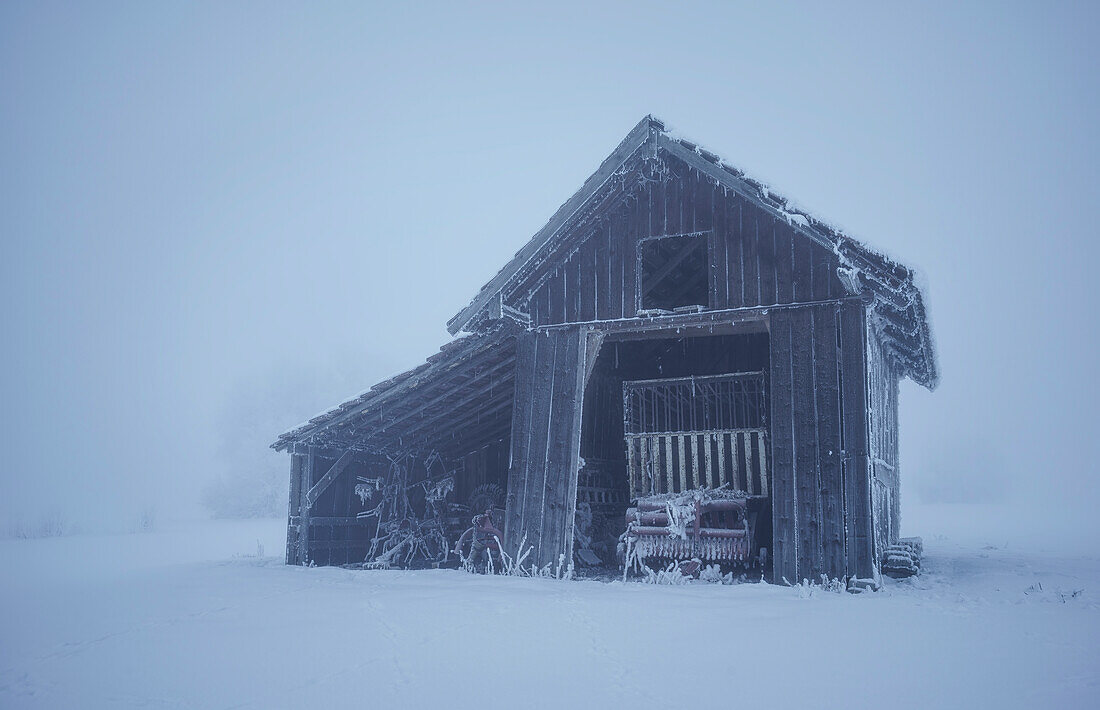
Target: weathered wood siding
[[824, 469], [755, 258], [546, 429], [487, 464], [326, 532], [883, 381], [857, 472], [818, 439]]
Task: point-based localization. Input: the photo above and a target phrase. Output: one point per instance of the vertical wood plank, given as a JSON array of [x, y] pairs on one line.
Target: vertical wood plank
[[658, 207], [630, 235], [632, 466], [582, 290], [681, 462], [762, 456], [806, 471], [735, 477], [721, 458], [697, 482], [602, 266], [857, 476], [719, 255], [614, 268], [674, 211], [670, 476], [709, 463], [824, 270], [304, 514], [735, 252], [524, 438], [655, 462], [296, 463], [784, 523], [765, 260], [828, 421], [802, 270], [784, 262]]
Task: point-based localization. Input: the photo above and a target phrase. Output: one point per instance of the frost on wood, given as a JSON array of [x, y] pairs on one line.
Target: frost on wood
[[517, 567], [903, 559], [405, 534]]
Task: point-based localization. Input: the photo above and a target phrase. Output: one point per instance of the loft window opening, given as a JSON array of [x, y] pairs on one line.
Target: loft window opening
[[673, 272]]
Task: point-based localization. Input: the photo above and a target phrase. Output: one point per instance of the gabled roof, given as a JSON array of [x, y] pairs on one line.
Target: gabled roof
[[898, 308]]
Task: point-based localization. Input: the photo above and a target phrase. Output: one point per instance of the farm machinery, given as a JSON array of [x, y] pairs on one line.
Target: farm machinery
[[691, 529]]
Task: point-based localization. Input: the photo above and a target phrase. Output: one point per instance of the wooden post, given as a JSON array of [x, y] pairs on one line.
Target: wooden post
[[857, 471], [681, 463], [294, 509], [670, 475], [709, 464], [734, 477], [303, 516], [763, 456], [632, 466], [699, 483], [721, 458]]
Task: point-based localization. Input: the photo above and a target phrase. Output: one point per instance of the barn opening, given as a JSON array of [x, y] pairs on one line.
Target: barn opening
[[668, 415], [673, 272]]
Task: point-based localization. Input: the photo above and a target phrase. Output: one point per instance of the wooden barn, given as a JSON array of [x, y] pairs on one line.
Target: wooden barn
[[675, 327]]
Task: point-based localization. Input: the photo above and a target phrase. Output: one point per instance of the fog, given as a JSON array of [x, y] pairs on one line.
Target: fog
[[218, 220]]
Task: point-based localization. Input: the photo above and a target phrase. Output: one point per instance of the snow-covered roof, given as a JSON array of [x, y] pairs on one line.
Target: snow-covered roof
[[475, 370]]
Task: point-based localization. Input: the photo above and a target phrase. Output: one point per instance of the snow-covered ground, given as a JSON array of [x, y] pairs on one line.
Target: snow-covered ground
[[194, 617]]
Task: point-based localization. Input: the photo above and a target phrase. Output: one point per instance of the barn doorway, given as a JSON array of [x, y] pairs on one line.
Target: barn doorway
[[667, 415]]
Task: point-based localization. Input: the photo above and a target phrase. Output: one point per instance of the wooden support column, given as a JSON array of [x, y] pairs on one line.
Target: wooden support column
[[856, 464], [784, 552], [303, 516], [297, 461], [828, 423]]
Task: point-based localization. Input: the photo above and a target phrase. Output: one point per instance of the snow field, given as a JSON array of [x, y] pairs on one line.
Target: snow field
[[192, 617]]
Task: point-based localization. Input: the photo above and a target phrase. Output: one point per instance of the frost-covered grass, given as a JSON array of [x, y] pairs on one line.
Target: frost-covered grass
[[196, 617]]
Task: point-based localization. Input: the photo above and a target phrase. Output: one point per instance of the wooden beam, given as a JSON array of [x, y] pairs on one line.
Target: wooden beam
[[684, 252], [450, 392], [454, 409], [330, 521], [339, 544], [458, 354], [330, 476], [324, 452]]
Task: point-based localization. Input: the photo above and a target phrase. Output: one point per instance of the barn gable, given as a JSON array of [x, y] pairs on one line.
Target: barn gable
[[636, 220]]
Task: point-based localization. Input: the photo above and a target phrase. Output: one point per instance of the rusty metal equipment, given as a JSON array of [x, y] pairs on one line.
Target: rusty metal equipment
[[711, 526]]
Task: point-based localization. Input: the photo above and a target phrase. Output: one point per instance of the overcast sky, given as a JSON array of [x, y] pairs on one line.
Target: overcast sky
[[218, 219]]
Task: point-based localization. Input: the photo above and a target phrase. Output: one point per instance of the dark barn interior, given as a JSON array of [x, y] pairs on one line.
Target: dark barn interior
[[607, 447]]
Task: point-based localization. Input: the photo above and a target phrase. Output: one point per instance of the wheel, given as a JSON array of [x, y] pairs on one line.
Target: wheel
[[486, 496]]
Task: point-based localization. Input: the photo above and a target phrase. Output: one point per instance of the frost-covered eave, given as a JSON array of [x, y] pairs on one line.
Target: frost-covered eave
[[447, 363], [639, 136]]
